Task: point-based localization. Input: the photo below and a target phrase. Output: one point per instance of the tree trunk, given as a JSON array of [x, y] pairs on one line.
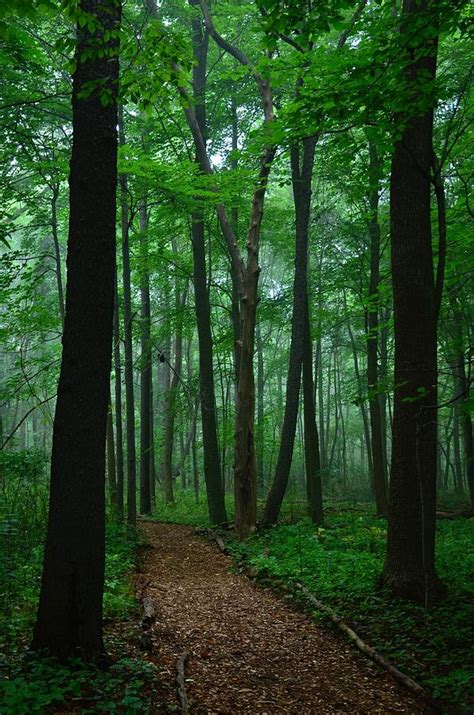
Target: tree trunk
[[118, 405], [170, 411], [212, 465], [301, 173], [57, 252], [127, 332], [311, 437], [111, 468], [69, 619], [379, 482], [362, 405], [410, 561], [145, 368], [260, 413], [462, 408]]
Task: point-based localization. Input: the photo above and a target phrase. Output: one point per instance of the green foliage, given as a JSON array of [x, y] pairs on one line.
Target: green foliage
[[127, 687], [23, 510], [341, 563]]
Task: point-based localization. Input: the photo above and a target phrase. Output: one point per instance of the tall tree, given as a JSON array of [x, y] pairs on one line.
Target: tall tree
[[69, 619], [128, 341], [212, 467], [145, 368], [379, 486], [301, 171], [410, 561]]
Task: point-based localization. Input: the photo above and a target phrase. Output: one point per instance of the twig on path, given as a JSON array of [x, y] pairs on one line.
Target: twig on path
[[180, 681], [363, 647]]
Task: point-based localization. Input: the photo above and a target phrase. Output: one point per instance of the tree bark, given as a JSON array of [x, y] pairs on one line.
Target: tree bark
[[145, 368], [172, 395], [127, 332], [111, 467], [410, 561], [379, 482], [260, 412], [311, 438], [301, 174], [118, 405], [69, 619], [57, 251], [212, 462]]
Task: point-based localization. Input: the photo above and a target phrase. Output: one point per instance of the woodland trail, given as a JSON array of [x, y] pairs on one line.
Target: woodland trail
[[249, 651]]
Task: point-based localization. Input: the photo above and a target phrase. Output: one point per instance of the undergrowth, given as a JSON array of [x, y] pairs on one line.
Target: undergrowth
[[42, 685]]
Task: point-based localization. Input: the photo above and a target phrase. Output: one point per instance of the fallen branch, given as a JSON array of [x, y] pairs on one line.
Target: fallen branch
[[465, 513], [148, 520], [148, 619], [220, 543], [213, 536], [180, 681], [363, 647], [148, 613]]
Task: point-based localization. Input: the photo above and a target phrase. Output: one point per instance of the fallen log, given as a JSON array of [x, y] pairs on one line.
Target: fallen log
[[181, 683], [364, 647]]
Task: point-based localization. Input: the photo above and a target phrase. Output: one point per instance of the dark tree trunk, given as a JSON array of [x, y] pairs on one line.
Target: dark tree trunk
[[127, 332], [301, 173], [320, 394], [410, 562], [57, 252], [379, 482], [111, 466], [145, 369], [212, 465], [462, 408], [152, 446], [383, 375], [362, 404], [260, 413], [311, 437], [118, 405], [170, 408], [69, 619]]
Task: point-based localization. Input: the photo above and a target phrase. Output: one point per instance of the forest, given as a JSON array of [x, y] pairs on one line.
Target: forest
[[236, 330]]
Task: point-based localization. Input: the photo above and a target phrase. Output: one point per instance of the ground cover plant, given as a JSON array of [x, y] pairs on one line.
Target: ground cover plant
[[30, 685], [340, 563]]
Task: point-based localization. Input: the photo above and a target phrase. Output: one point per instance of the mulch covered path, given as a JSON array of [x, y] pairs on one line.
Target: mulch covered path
[[249, 651]]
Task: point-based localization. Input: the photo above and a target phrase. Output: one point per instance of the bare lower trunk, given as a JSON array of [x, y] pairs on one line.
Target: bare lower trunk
[[379, 485], [410, 562], [69, 619], [145, 368], [127, 332]]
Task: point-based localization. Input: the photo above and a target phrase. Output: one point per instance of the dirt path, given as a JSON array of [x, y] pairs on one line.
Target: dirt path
[[249, 652]]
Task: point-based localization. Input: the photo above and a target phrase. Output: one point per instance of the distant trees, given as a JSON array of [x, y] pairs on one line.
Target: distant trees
[[69, 616]]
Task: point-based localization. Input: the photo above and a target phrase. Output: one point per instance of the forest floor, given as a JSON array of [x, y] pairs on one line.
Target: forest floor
[[248, 650]]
